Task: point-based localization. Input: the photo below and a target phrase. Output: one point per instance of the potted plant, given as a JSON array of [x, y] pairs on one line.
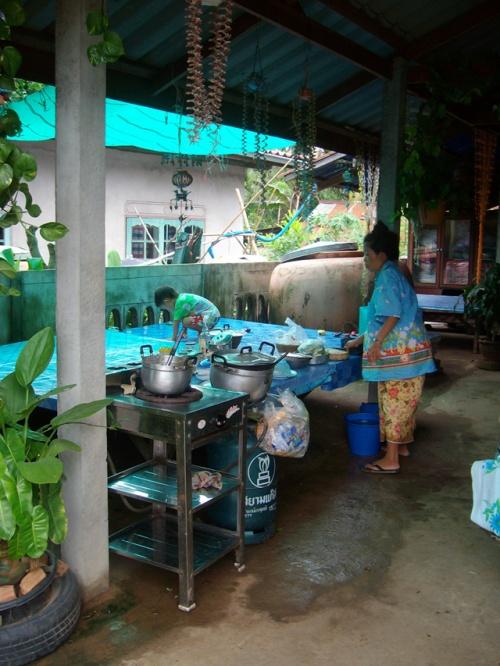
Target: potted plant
[[426, 174], [482, 308], [32, 512]]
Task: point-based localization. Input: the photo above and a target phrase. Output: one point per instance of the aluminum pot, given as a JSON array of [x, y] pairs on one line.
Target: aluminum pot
[[158, 376], [247, 371]]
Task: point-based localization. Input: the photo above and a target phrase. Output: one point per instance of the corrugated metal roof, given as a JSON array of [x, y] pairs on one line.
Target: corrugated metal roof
[[154, 38]]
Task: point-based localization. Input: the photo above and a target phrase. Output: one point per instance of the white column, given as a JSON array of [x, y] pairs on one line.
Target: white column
[[393, 121], [80, 205]]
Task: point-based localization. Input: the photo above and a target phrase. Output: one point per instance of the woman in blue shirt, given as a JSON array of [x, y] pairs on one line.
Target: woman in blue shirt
[[397, 352]]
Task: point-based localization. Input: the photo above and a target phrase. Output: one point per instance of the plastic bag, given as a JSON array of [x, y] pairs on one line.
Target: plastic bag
[[286, 431], [294, 335], [313, 347]]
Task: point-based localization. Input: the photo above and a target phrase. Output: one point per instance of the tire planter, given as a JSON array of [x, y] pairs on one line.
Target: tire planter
[[37, 624]]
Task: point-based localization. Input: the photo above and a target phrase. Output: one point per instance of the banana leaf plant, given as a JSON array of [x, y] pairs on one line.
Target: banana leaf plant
[[32, 511]]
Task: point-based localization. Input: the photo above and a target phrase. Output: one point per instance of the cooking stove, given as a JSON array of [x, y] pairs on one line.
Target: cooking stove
[[189, 395], [195, 414]]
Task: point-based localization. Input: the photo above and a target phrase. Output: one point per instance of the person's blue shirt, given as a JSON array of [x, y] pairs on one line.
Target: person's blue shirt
[[406, 350]]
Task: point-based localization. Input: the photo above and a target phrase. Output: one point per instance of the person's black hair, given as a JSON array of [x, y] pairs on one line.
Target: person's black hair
[[382, 239], [164, 292]]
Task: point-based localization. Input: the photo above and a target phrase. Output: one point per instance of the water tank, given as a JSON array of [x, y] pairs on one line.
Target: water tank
[[322, 292]]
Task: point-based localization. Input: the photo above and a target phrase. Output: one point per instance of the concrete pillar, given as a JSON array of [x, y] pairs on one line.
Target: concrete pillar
[[393, 121], [80, 205]]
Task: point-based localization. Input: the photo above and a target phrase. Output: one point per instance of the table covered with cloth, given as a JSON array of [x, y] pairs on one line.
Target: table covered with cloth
[[123, 352]]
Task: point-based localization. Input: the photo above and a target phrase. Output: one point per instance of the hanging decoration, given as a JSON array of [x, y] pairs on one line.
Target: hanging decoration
[[304, 122], [484, 161], [204, 99], [367, 164], [181, 179], [256, 108]]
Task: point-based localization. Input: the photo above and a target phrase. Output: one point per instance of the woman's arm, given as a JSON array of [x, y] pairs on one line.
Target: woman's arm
[[357, 342], [374, 353]]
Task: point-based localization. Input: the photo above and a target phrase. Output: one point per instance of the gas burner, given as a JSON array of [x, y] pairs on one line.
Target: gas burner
[[190, 395]]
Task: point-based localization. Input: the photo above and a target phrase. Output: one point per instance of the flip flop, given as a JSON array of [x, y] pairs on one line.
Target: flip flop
[[377, 469]]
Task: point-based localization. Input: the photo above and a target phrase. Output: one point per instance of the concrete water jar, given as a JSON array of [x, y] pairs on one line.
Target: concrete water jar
[[317, 293], [260, 488]]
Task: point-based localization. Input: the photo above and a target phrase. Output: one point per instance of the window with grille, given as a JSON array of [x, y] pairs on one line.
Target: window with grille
[[149, 238]]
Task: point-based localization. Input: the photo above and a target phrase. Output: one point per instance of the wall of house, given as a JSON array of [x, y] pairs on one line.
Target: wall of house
[[138, 181]]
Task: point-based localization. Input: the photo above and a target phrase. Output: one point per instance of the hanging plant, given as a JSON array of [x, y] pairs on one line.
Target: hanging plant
[[110, 48], [304, 122], [256, 106], [367, 165], [17, 167], [204, 100]]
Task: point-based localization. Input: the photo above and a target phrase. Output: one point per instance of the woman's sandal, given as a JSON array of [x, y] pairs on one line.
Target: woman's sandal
[[377, 469]]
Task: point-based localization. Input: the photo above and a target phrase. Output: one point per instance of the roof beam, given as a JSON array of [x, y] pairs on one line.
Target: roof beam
[[344, 89], [368, 23], [171, 74], [295, 23], [458, 26]]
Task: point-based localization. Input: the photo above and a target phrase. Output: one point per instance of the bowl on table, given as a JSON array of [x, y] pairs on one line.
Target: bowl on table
[[283, 347], [297, 360]]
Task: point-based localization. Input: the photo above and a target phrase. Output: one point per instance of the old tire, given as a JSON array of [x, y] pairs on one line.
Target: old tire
[[26, 640]]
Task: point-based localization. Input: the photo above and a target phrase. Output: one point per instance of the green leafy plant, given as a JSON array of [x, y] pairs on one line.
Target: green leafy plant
[[482, 304], [425, 176], [110, 48], [17, 167], [32, 511]]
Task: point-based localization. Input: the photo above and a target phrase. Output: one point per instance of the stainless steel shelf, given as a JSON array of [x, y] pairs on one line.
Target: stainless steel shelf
[[155, 541], [157, 482]]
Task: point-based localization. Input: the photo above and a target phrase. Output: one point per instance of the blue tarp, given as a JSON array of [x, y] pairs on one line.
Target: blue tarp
[[131, 125]]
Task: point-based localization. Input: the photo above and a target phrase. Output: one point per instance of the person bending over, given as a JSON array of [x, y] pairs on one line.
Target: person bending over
[[190, 310]]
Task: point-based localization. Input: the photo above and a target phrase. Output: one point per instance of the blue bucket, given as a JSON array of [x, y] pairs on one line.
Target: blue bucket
[[363, 434], [369, 407]]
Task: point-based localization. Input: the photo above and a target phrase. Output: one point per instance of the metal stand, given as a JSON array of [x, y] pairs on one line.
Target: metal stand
[[175, 541]]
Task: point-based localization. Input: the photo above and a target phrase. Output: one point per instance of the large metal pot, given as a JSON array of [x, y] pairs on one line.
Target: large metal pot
[[160, 376], [247, 371]]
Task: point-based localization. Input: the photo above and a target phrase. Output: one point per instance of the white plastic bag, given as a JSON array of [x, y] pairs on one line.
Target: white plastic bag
[[486, 494], [286, 427], [294, 334], [312, 346]]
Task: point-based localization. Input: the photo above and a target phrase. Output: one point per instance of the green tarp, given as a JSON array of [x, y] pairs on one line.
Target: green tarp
[[131, 125]]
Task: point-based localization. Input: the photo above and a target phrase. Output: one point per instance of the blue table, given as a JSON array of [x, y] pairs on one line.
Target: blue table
[[123, 352], [440, 303]]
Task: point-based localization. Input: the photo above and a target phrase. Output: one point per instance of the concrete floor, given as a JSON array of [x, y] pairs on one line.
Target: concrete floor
[[363, 570]]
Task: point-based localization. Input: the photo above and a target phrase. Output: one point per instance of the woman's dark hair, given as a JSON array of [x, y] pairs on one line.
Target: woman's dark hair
[[382, 239], [164, 292]]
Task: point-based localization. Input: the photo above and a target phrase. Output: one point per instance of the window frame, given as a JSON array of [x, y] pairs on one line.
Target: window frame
[[161, 222]]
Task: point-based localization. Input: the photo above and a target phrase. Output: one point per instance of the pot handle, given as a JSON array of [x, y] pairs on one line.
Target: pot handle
[[246, 350], [219, 358], [280, 358], [269, 344], [226, 327], [147, 348], [191, 361]]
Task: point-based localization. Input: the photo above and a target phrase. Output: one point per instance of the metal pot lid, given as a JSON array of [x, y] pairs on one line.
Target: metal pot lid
[[245, 358]]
